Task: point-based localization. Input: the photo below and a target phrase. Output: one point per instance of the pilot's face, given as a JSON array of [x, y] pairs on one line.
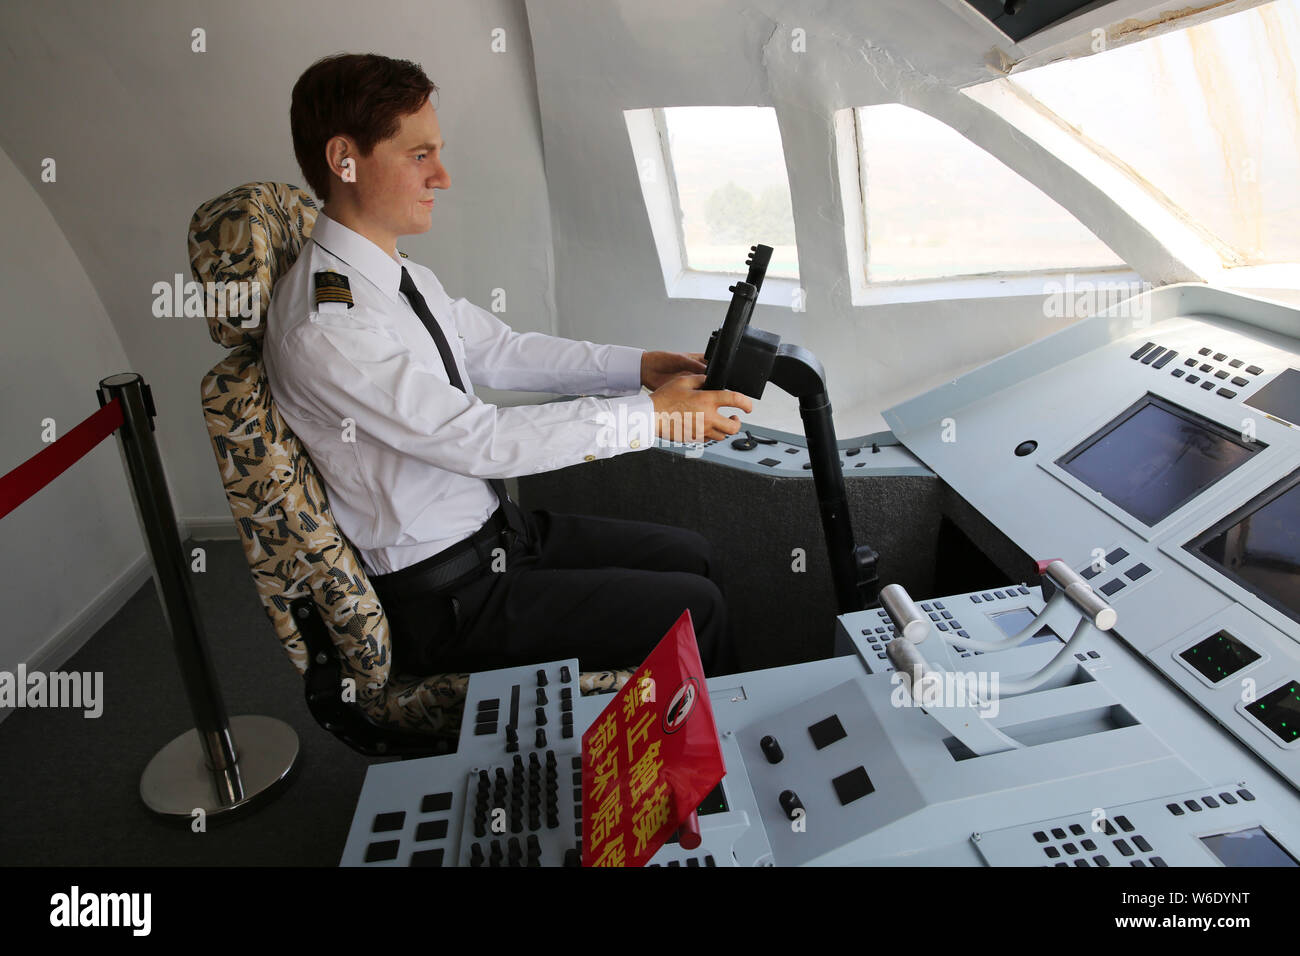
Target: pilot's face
[[395, 183]]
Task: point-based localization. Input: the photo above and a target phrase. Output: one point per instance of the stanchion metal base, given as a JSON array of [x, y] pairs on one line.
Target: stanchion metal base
[[177, 781]]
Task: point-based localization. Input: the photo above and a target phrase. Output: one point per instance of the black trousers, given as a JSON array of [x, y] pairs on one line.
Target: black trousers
[[602, 590]]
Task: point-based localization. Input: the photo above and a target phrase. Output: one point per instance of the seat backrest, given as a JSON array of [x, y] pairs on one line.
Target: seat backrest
[[250, 236]]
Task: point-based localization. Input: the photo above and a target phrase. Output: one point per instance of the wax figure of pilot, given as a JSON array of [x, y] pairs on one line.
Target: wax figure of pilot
[[373, 365]]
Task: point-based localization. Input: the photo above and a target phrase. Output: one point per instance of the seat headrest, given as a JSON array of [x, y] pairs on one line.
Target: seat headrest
[[250, 236]]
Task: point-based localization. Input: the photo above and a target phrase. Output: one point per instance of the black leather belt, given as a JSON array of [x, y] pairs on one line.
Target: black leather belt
[[451, 564]]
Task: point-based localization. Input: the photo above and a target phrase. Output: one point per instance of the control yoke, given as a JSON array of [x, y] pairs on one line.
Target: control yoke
[[744, 360]]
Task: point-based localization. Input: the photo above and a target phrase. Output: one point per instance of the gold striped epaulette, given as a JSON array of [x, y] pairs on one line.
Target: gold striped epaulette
[[333, 287]]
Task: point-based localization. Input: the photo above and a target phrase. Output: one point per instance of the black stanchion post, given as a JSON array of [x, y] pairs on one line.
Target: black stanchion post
[[202, 768]]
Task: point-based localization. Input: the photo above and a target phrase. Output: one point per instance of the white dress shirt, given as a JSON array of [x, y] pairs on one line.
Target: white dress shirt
[[404, 453]]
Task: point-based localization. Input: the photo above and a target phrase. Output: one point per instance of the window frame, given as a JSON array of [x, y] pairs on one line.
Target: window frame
[[864, 291], [648, 135]]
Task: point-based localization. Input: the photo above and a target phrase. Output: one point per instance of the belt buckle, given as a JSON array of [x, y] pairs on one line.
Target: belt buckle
[[508, 537]]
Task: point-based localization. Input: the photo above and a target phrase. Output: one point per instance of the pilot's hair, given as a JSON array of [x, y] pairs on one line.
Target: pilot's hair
[[360, 95]]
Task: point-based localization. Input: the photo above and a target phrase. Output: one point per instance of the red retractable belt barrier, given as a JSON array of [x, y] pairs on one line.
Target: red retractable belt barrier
[[46, 465]]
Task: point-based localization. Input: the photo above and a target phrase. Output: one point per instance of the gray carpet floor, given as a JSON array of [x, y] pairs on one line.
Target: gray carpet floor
[[69, 786]]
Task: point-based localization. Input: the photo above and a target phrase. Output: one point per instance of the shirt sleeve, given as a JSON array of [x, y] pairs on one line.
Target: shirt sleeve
[[341, 367], [499, 357]]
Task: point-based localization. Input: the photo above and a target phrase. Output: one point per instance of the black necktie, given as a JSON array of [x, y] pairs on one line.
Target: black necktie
[[421, 308]]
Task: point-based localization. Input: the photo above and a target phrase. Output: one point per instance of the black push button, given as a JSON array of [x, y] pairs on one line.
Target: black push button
[[1058, 833], [1239, 381], [1192, 379], [1253, 370], [1246, 795], [435, 802], [852, 785], [1204, 352], [1124, 824], [1116, 556], [826, 732], [1138, 570], [431, 830], [1164, 359], [1040, 836], [1221, 373], [386, 822], [1210, 802], [1236, 363], [1220, 356], [1175, 809], [1141, 843], [1146, 359], [1112, 587], [1207, 385], [1177, 373], [1190, 363], [1123, 847], [380, 852], [1207, 367], [1228, 798], [1227, 393], [1142, 350]]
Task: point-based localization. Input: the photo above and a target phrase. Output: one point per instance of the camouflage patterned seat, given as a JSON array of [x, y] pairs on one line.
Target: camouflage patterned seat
[[240, 243]]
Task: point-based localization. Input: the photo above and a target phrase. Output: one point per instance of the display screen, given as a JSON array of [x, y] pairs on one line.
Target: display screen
[[1280, 397], [1155, 457], [1279, 711], [1014, 621], [1258, 546], [1219, 656], [1253, 847]]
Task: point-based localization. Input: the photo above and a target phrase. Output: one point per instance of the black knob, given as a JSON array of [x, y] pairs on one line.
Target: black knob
[[512, 735], [541, 678], [790, 803], [541, 697], [1026, 448], [541, 738], [771, 749], [573, 857], [566, 675], [1012, 7], [541, 716]]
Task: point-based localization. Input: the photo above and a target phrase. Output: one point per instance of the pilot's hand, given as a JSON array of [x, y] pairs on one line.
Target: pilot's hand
[[686, 413], [657, 368]]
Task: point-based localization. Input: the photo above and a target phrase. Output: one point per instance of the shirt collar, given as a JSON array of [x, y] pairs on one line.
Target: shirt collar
[[360, 253]]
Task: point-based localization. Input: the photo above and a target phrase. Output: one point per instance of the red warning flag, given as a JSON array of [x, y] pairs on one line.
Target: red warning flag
[[651, 757]]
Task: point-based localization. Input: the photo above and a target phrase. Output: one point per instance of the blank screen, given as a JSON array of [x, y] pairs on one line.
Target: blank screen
[[1259, 546], [1156, 457], [1280, 397], [1253, 847]]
